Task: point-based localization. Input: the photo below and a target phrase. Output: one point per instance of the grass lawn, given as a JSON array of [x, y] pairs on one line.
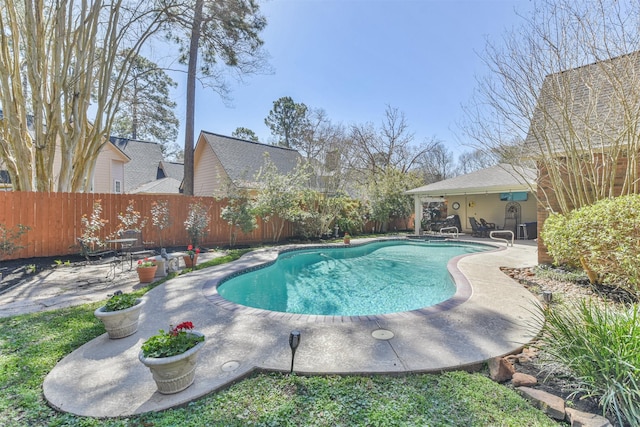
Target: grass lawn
[[30, 346]]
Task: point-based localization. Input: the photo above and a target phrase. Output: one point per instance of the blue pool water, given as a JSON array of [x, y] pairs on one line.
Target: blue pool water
[[376, 278]]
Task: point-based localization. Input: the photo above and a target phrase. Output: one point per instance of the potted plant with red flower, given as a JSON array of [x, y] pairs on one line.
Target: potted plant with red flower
[[171, 356], [191, 258], [147, 270]]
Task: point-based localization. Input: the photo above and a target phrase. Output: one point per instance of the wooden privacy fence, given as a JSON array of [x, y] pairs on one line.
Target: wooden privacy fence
[[55, 220]]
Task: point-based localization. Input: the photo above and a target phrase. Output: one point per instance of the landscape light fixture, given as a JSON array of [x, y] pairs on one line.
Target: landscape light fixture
[[294, 341], [547, 296]]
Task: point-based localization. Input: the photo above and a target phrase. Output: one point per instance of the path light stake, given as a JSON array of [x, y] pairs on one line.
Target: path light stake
[[547, 296], [294, 341]]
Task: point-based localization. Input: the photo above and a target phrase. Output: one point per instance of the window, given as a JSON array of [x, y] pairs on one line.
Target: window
[[514, 196], [117, 186]]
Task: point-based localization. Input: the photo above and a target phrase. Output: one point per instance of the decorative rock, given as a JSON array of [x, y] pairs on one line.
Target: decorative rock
[[500, 370], [552, 405], [585, 419], [523, 380]]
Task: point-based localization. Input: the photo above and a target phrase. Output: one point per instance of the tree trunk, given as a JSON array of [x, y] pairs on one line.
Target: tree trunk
[[191, 98]]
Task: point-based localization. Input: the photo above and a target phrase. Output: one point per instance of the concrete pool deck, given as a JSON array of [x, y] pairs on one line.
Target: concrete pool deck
[[104, 378]]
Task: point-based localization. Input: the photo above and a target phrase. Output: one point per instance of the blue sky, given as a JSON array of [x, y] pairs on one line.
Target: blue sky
[[352, 58]]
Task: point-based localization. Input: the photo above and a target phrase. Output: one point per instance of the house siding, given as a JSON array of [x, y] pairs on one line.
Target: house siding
[[109, 167], [209, 175]]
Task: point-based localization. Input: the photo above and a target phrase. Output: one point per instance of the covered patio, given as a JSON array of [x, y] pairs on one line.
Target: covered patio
[[501, 194]]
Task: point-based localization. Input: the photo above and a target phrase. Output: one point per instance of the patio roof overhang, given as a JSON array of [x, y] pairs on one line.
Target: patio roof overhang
[[464, 191], [492, 180]]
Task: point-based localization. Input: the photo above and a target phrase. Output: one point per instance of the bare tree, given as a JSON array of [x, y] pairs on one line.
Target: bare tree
[[475, 160], [391, 146], [55, 58], [437, 164], [568, 80]]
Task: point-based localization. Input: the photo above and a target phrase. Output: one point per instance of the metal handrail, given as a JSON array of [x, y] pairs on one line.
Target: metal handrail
[[502, 239], [451, 228]]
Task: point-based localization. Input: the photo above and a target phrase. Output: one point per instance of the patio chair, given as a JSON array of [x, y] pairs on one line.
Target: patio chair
[[478, 230], [488, 225], [98, 257]]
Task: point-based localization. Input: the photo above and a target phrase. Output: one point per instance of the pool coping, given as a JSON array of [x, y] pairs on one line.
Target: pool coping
[[494, 321]]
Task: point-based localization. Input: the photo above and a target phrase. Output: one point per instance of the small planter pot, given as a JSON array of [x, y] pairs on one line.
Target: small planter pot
[[187, 261], [176, 373], [121, 323], [146, 274], [347, 240]]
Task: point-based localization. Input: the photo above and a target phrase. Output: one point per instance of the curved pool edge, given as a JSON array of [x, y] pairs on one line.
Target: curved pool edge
[[464, 290], [495, 321]]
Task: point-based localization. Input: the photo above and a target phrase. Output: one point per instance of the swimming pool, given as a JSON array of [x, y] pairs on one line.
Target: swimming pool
[[375, 278]]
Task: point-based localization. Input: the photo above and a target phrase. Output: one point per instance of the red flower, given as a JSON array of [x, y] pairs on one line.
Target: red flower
[[190, 247], [181, 327], [185, 325], [198, 250]]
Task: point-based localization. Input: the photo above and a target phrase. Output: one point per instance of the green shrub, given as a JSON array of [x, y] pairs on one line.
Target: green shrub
[[601, 238], [601, 348]]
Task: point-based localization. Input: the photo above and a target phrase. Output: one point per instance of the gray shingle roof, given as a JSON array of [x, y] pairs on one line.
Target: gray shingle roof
[[495, 179], [145, 158], [587, 107], [243, 159], [159, 186], [173, 170]]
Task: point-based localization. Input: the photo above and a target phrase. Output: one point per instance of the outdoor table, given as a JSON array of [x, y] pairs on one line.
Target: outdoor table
[[124, 244]]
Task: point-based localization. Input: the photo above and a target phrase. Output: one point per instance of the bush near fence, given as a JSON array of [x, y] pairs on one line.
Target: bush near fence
[[55, 220]]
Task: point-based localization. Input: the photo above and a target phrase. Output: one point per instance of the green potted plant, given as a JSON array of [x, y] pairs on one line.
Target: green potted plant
[[171, 357], [120, 314], [146, 270], [347, 239]]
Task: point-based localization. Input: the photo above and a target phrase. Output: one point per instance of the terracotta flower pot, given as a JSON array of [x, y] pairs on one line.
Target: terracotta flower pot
[[146, 274], [120, 323], [187, 261], [347, 240], [175, 373]]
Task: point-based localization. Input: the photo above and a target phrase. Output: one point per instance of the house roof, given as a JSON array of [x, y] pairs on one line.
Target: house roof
[[242, 159], [586, 107], [159, 186], [145, 158], [172, 170], [501, 178]]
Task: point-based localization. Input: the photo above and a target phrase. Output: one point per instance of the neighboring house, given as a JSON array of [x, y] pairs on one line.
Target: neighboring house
[[148, 172], [587, 117], [219, 159], [5, 181], [109, 172], [486, 193]]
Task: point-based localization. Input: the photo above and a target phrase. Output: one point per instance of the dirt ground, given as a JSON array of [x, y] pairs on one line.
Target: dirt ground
[[16, 271]]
